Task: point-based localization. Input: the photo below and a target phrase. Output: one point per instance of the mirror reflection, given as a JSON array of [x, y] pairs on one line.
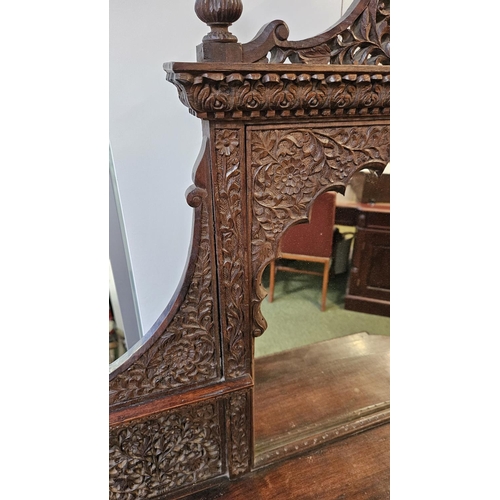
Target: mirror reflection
[[307, 287], [328, 302], [117, 342]]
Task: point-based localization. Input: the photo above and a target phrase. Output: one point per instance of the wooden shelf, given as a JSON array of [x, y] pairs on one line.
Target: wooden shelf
[[357, 468], [319, 393]]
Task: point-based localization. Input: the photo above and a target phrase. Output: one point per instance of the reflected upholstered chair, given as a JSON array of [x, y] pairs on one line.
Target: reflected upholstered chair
[[311, 242]]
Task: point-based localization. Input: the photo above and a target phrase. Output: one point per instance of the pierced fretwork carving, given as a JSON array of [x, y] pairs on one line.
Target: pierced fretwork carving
[[228, 193], [275, 137], [361, 37], [164, 452], [289, 168], [367, 40], [185, 354]]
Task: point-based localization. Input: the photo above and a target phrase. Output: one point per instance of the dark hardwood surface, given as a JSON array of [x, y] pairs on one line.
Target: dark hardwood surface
[[347, 213], [352, 469], [186, 411], [305, 393]]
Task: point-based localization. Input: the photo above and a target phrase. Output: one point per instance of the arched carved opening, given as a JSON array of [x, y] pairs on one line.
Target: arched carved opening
[[181, 402]]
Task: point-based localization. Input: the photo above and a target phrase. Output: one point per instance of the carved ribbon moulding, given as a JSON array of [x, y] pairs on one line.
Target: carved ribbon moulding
[[159, 454], [185, 354], [290, 168]]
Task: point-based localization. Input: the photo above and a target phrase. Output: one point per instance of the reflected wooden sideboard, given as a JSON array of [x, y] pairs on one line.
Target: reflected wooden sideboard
[[369, 280], [185, 419]]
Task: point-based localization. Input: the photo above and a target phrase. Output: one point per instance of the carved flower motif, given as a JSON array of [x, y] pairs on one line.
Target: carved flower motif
[[290, 176], [226, 143], [183, 361], [217, 100], [341, 172], [345, 157], [278, 226]]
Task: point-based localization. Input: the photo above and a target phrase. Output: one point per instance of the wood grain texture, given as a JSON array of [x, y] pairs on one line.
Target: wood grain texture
[[326, 388], [275, 136], [357, 468]]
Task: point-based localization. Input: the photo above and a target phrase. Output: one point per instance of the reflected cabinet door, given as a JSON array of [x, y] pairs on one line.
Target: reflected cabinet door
[[369, 282]]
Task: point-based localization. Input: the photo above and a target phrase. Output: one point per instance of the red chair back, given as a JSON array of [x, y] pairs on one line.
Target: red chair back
[[316, 237]]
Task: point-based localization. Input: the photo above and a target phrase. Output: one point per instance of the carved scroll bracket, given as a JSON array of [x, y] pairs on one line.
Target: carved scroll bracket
[[361, 36]]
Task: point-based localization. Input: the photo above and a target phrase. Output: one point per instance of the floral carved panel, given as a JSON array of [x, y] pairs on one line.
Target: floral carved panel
[[165, 452], [239, 433], [289, 168], [186, 354], [228, 182]]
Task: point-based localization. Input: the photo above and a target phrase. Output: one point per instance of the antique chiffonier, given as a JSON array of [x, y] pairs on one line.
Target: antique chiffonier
[[283, 122]]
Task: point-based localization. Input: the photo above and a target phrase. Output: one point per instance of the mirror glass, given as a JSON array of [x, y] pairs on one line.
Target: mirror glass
[[345, 247], [297, 296]]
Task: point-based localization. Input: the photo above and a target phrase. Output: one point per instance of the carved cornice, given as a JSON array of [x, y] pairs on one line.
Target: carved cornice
[[185, 354], [267, 91], [289, 168], [165, 452]]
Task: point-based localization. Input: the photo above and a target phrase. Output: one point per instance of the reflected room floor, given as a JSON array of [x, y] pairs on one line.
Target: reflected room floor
[[294, 317]]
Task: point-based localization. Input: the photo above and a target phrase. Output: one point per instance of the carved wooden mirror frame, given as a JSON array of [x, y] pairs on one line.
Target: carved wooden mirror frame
[[181, 399]]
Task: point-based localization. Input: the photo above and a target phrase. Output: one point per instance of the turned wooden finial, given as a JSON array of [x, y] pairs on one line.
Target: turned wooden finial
[[219, 15]]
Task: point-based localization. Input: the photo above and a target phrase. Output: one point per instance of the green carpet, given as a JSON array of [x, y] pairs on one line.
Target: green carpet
[[294, 317]]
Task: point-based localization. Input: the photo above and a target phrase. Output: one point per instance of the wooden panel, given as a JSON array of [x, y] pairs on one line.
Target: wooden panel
[[369, 279], [354, 469], [372, 260], [275, 137]]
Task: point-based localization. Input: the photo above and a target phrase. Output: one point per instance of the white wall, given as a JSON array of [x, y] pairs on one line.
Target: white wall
[[154, 139]]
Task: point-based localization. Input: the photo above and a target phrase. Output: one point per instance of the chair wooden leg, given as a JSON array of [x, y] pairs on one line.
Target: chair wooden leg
[[272, 272], [326, 270]]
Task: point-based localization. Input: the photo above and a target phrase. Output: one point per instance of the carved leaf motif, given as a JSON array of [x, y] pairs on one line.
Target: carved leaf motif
[[289, 93], [185, 354], [229, 208], [239, 434], [162, 453], [289, 168], [315, 55], [366, 41]]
